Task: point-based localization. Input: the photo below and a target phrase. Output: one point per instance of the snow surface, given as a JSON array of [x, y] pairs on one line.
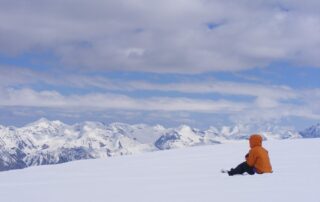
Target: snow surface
[[181, 175]]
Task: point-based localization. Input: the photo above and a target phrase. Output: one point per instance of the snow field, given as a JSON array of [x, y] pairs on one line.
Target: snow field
[[182, 175]]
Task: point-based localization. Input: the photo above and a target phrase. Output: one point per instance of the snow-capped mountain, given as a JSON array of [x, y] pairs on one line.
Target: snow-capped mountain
[[268, 131], [312, 132], [183, 136], [51, 142]]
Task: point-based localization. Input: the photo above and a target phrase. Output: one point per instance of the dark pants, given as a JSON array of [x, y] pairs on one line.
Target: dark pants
[[242, 168]]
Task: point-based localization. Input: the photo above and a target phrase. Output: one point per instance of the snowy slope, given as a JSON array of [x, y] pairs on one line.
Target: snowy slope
[[184, 175]]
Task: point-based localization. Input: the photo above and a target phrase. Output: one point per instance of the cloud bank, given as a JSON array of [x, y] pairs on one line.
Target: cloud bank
[[259, 102], [58, 58], [164, 37]]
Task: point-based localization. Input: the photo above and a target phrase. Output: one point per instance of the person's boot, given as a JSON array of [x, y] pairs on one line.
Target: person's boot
[[230, 173]]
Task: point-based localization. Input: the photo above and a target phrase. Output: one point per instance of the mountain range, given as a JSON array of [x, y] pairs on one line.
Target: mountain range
[[51, 142]]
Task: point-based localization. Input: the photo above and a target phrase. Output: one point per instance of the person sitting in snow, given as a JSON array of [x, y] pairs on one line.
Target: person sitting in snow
[[257, 160]]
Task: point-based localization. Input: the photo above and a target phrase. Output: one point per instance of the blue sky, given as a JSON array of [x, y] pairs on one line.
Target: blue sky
[[195, 62]]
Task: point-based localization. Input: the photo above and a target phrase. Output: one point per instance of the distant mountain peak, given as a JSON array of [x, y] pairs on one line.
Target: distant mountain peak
[[44, 122], [311, 132]]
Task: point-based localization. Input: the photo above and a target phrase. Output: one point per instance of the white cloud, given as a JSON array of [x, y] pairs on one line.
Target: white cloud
[[262, 103], [264, 96], [166, 36], [10, 75], [258, 110], [96, 101], [16, 76]]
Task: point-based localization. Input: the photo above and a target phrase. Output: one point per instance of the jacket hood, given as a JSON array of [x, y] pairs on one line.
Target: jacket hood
[[255, 140]]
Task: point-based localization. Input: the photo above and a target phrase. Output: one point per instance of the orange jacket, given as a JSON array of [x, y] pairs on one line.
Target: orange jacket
[[258, 156]]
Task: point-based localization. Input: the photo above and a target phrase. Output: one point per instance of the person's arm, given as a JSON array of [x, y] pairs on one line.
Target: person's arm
[[251, 159]]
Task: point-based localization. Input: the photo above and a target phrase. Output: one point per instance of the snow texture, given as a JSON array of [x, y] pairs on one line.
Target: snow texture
[[183, 175]]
